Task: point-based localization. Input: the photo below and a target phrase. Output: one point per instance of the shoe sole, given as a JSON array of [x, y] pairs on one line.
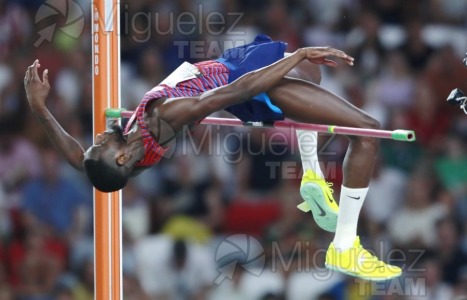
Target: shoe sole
[[314, 197], [337, 269]]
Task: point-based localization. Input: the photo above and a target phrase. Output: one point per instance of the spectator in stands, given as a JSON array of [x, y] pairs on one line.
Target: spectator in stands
[[413, 226], [55, 201]]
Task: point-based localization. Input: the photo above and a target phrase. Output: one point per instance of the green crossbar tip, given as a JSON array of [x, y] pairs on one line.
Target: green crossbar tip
[[403, 135], [114, 112]]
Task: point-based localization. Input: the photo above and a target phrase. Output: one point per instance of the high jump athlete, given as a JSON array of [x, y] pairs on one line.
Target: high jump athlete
[[254, 82]]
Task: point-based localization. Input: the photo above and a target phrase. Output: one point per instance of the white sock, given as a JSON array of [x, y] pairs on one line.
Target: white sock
[[308, 146], [351, 202]]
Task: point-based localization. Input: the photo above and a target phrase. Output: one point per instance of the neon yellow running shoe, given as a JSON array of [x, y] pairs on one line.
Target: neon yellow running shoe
[[318, 196], [358, 262]]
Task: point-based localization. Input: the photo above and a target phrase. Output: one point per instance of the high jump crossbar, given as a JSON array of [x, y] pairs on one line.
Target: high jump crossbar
[[398, 134]]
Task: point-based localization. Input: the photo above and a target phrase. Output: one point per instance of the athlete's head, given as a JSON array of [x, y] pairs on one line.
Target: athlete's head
[[106, 161]]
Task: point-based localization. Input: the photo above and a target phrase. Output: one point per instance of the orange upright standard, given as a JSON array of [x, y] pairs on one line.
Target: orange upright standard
[[106, 93]]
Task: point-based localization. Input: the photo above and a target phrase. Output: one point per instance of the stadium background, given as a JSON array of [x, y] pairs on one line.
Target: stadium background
[[224, 181]]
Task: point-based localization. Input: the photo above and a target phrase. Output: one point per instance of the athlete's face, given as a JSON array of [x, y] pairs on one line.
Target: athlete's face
[[115, 134], [106, 144]]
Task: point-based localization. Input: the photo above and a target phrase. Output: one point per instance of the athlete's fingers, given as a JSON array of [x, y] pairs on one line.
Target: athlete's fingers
[[337, 52], [348, 59], [330, 63], [331, 50], [327, 51], [35, 74], [322, 54], [342, 54], [45, 78], [29, 72]]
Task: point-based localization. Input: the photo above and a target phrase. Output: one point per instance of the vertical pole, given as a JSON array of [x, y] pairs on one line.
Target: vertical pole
[[106, 93]]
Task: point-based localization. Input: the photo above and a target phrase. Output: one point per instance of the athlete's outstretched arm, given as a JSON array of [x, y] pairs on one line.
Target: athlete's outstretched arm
[[263, 79], [36, 92], [242, 89]]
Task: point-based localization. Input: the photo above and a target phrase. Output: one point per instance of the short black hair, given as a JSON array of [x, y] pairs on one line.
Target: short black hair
[[104, 176]]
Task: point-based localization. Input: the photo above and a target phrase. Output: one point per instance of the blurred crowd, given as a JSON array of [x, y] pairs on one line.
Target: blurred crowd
[[229, 195]]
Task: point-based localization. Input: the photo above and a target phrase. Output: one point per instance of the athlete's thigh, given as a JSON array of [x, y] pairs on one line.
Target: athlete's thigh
[[307, 102]]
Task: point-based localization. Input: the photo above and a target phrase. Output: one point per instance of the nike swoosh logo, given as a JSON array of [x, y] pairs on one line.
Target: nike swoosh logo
[[329, 197], [322, 212], [356, 198]]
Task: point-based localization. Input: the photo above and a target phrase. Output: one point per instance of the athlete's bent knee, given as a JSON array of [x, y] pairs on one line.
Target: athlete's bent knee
[[367, 143], [374, 124], [370, 123]]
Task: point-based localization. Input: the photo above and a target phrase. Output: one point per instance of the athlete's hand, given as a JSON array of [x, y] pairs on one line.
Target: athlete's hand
[[319, 55], [36, 90]]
